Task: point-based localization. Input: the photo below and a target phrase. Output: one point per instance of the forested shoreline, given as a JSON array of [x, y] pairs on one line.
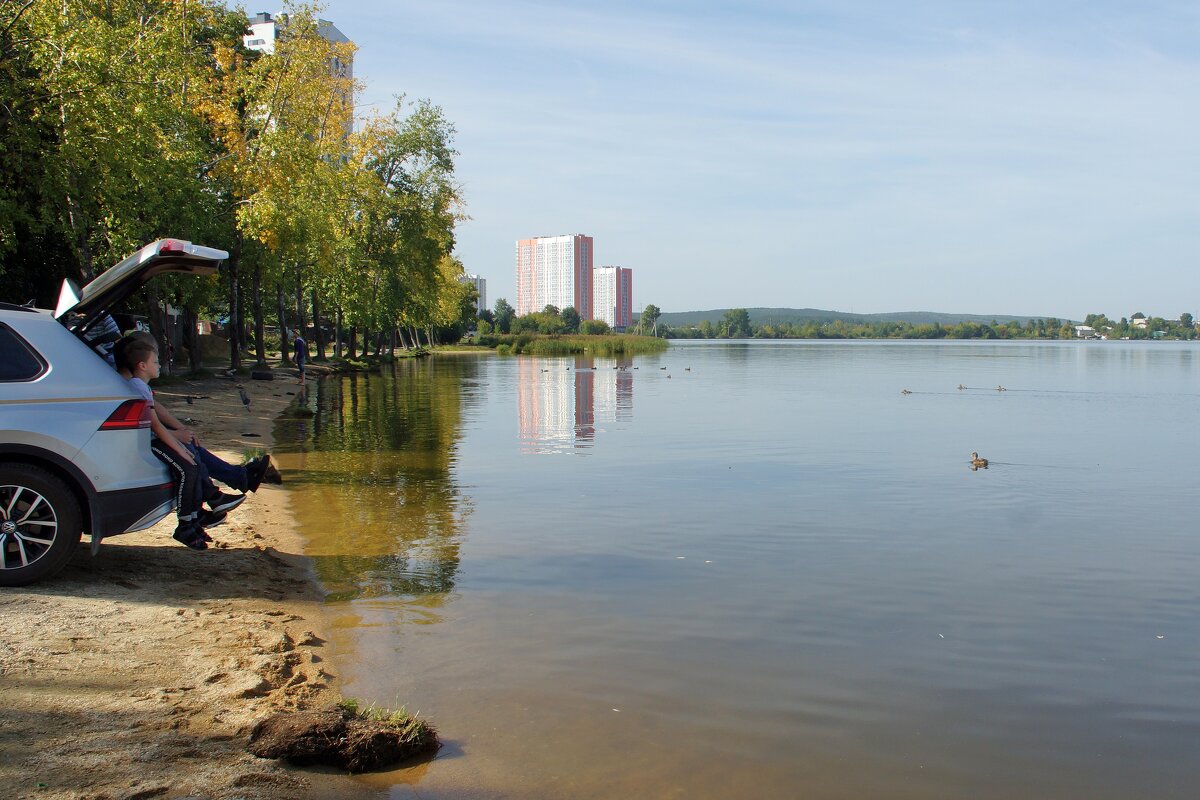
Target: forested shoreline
[[737, 324], [137, 120]]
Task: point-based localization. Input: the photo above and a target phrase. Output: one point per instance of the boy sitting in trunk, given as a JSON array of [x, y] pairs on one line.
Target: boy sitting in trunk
[[192, 485]]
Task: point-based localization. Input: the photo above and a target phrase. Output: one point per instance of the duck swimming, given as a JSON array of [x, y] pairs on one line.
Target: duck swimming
[[978, 462]]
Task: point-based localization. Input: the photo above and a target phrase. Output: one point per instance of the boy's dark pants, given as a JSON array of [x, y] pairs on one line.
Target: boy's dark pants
[[189, 481]]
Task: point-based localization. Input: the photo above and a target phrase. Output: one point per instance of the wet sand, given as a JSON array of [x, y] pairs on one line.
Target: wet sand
[[139, 673]]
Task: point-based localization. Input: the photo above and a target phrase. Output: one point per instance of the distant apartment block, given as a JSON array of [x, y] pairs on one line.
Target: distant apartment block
[[266, 30], [557, 271], [480, 285], [612, 296]]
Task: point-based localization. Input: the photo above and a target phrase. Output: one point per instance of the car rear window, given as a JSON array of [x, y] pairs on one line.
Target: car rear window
[[18, 361]]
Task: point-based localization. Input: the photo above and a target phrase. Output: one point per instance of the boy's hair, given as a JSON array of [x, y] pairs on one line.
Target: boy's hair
[[124, 342], [134, 349]]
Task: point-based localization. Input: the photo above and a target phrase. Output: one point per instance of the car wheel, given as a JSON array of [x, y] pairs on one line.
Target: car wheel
[[40, 524]]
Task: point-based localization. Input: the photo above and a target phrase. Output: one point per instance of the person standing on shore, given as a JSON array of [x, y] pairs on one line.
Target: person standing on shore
[[301, 355]]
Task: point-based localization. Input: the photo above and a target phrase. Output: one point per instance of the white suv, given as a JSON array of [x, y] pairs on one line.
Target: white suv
[[74, 438]]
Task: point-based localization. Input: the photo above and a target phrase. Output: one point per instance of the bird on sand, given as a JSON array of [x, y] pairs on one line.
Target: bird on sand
[[245, 398], [978, 462]]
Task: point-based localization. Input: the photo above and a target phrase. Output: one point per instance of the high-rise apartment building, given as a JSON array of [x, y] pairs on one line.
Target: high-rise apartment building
[[480, 285], [612, 296], [557, 271], [266, 30]]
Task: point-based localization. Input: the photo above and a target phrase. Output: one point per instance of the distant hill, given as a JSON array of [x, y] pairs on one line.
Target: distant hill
[[774, 316]]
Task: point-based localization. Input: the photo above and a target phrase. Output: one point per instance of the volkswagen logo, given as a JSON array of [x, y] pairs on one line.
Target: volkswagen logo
[[8, 527]]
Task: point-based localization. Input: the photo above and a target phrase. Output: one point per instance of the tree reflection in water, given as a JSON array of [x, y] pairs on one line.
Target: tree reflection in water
[[373, 487]]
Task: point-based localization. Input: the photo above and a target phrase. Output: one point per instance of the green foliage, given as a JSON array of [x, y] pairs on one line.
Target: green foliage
[[594, 327], [134, 120], [733, 326], [413, 730], [648, 320], [505, 314]]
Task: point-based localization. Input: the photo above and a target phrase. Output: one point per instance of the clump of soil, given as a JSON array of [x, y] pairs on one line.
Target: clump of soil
[[339, 736]]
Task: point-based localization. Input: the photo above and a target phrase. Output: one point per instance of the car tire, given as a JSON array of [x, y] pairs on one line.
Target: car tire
[[40, 524]]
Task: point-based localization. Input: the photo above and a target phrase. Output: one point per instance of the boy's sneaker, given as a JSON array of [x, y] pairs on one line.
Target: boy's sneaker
[[224, 502], [211, 519], [260, 471], [192, 535], [255, 470]]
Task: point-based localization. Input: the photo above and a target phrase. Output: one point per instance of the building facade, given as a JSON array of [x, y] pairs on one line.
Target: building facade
[[557, 271], [266, 30], [612, 296], [480, 285]]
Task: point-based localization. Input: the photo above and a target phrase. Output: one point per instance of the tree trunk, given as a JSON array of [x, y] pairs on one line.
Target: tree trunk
[[350, 345], [191, 338], [300, 326], [318, 334], [158, 328], [337, 334], [283, 331], [260, 322], [234, 328]]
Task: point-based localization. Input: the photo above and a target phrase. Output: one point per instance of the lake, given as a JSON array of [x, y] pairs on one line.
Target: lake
[[758, 569]]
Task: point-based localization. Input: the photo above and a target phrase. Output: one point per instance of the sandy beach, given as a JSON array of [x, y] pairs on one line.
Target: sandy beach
[[139, 673]]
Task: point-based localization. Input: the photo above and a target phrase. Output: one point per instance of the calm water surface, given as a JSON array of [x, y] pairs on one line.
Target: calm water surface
[[764, 572]]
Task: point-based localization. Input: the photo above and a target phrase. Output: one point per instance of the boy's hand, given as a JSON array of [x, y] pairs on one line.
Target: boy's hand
[[182, 452]]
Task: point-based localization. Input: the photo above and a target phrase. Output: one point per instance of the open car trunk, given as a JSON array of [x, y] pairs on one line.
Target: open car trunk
[[81, 310]]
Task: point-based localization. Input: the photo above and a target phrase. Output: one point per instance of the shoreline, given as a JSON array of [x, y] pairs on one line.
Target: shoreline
[[139, 673]]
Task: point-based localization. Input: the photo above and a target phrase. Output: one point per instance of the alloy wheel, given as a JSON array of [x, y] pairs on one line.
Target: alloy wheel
[[28, 525]]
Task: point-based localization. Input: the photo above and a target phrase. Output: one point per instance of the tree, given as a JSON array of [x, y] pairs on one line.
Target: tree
[[1185, 319], [505, 314], [737, 323], [649, 319], [570, 318], [551, 309], [594, 327]]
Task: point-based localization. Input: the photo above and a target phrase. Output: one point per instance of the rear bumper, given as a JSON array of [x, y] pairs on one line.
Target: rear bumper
[[131, 509]]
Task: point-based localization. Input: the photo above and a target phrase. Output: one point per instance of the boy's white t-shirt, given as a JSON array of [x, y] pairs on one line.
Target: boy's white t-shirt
[[142, 388]]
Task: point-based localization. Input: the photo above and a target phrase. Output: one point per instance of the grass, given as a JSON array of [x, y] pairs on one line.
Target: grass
[[564, 345], [413, 731]]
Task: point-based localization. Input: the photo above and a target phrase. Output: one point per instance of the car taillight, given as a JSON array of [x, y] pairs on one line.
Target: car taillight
[[171, 246], [130, 415]]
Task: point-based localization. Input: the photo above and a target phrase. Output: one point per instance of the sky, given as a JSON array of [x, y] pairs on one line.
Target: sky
[[1026, 158]]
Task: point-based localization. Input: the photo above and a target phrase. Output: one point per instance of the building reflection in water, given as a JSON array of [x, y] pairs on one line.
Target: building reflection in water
[[560, 402]]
